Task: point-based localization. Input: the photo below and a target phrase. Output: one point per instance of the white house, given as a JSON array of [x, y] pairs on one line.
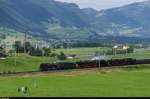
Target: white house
[[124, 47]]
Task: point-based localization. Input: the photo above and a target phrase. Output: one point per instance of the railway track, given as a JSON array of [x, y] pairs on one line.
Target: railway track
[[82, 65], [59, 71], [19, 73]]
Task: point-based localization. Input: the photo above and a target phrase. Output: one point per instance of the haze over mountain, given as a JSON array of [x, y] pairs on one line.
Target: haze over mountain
[[101, 4], [60, 20]]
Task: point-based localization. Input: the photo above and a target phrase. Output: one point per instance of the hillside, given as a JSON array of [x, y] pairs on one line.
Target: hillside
[[130, 20], [40, 16], [51, 19]]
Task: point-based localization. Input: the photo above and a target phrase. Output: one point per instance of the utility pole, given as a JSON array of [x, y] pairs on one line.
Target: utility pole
[[15, 60], [114, 48], [25, 40], [67, 41], [99, 61]]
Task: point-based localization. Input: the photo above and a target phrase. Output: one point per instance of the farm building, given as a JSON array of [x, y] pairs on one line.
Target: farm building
[[121, 46]]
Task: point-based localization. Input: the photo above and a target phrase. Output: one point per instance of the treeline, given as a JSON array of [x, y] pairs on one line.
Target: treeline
[[87, 44], [66, 45], [36, 51], [27, 48]]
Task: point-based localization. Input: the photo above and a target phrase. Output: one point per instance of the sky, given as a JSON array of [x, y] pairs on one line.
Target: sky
[[101, 4]]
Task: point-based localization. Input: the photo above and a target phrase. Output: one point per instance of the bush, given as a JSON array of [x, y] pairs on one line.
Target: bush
[[130, 50], [62, 56], [53, 55], [36, 52], [4, 72], [47, 51], [109, 52], [9, 72]]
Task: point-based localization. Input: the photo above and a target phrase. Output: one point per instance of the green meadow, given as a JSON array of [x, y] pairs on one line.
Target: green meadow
[[116, 82], [83, 83]]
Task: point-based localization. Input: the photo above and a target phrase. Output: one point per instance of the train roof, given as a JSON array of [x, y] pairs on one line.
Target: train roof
[[63, 62]]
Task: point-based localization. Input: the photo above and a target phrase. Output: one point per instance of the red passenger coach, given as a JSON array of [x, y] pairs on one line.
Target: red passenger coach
[[117, 62], [86, 64]]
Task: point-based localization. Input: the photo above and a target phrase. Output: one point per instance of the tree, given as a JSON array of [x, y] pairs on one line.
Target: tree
[[130, 49], [28, 46], [18, 47], [1, 49], [65, 45], [62, 56], [35, 52], [53, 55], [38, 52], [32, 51], [47, 51]]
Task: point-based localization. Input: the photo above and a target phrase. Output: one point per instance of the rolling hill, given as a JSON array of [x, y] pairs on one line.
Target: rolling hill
[[130, 20]]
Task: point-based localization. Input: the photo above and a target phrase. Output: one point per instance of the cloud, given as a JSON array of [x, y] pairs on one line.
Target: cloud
[[101, 4]]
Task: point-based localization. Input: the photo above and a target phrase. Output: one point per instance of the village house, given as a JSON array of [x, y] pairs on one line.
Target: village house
[[121, 46]]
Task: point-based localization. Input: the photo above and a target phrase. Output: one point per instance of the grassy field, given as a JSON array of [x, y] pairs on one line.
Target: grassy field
[[88, 53], [83, 83], [82, 51], [23, 63], [31, 63], [133, 82]]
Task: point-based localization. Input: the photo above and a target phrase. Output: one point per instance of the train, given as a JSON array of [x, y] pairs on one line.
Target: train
[[91, 64]]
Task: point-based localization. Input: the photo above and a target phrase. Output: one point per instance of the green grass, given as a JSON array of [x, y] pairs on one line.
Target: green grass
[[88, 53], [121, 83], [125, 82], [31, 63], [23, 63], [82, 51]]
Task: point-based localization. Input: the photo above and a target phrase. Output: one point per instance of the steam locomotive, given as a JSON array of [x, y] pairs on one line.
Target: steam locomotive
[[91, 64]]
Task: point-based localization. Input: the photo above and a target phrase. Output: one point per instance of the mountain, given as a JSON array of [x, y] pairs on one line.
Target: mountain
[[45, 18], [130, 20], [50, 19]]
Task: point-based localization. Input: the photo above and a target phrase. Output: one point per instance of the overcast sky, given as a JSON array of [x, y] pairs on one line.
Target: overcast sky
[[101, 4]]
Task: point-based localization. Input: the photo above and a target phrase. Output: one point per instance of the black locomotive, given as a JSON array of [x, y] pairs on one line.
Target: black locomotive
[[3, 55], [57, 66], [92, 64]]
